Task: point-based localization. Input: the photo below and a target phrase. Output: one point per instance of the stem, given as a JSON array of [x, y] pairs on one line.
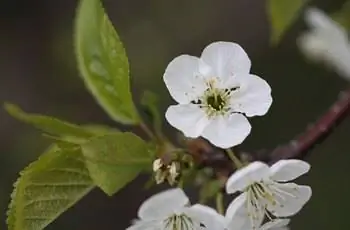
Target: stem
[[220, 203], [208, 155], [148, 132], [180, 184], [314, 134], [236, 161]]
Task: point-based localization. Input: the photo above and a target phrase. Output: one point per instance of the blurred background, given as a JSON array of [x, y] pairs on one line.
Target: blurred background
[[38, 72]]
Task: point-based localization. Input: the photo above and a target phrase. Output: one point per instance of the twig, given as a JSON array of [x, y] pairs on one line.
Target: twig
[[208, 155], [148, 132], [316, 133]]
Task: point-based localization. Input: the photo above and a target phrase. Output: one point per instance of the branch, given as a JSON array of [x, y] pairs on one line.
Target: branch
[[315, 134], [208, 155]]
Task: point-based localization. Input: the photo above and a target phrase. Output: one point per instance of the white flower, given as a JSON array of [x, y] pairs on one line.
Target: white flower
[[214, 93], [263, 194], [277, 224], [237, 218], [170, 210], [327, 41]]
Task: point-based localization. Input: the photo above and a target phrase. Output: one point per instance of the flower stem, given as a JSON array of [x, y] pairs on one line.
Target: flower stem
[[148, 132], [236, 161], [220, 203]]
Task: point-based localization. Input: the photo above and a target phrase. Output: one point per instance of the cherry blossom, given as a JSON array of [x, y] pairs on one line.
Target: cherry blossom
[[265, 192], [170, 210], [326, 41], [215, 93]]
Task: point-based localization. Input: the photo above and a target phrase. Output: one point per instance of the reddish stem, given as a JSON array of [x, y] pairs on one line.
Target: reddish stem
[[316, 133], [208, 155]]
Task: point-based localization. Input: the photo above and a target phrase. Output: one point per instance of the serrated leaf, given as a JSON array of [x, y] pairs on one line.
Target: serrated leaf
[[282, 14], [150, 101], [48, 124], [47, 188], [115, 160], [103, 62]]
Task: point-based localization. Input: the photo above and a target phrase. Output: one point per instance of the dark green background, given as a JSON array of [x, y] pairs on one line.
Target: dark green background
[[38, 72]]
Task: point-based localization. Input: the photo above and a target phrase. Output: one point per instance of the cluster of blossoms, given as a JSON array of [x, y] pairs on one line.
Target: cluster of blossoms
[[215, 94], [264, 195]]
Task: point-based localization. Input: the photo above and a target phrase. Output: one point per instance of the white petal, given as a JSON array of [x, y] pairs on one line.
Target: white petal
[[183, 79], [329, 49], [190, 119], [163, 204], [237, 217], [254, 172], [226, 59], [321, 22], [276, 224], [316, 45], [227, 131], [208, 216], [327, 41], [286, 170], [157, 164], [253, 98], [146, 225], [291, 204]]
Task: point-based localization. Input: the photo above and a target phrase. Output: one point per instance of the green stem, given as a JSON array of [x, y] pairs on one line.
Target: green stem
[[181, 184], [148, 132], [236, 161], [220, 203]]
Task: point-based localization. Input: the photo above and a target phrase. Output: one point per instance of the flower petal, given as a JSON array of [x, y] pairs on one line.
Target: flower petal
[[277, 224], [190, 119], [253, 98], [237, 216], [183, 78], [251, 173], [146, 225], [208, 216], [316, 19], [228, 131], [163, 204], [322, 47], [226, 59], [327, 41], [294, 198], [286, 170]]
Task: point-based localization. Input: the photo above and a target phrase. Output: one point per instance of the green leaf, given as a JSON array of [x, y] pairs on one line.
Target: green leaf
[[100, 130], [103, 62], [282, 14], [150, 101], [49, 125], [343, 16], [209, 190], [47, 188], [115, 160]]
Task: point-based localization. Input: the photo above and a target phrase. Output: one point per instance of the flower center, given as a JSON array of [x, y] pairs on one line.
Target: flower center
[[216, 102], [181, 222], [261, 196]]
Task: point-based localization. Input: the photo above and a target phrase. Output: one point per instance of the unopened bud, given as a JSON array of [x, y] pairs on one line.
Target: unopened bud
[[164, 172]]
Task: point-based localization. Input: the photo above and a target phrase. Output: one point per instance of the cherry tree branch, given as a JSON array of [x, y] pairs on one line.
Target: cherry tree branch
[[208, 155], [315, 134]]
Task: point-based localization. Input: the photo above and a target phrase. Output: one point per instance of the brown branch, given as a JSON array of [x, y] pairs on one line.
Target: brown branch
[[208, 155], [316, 133]]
